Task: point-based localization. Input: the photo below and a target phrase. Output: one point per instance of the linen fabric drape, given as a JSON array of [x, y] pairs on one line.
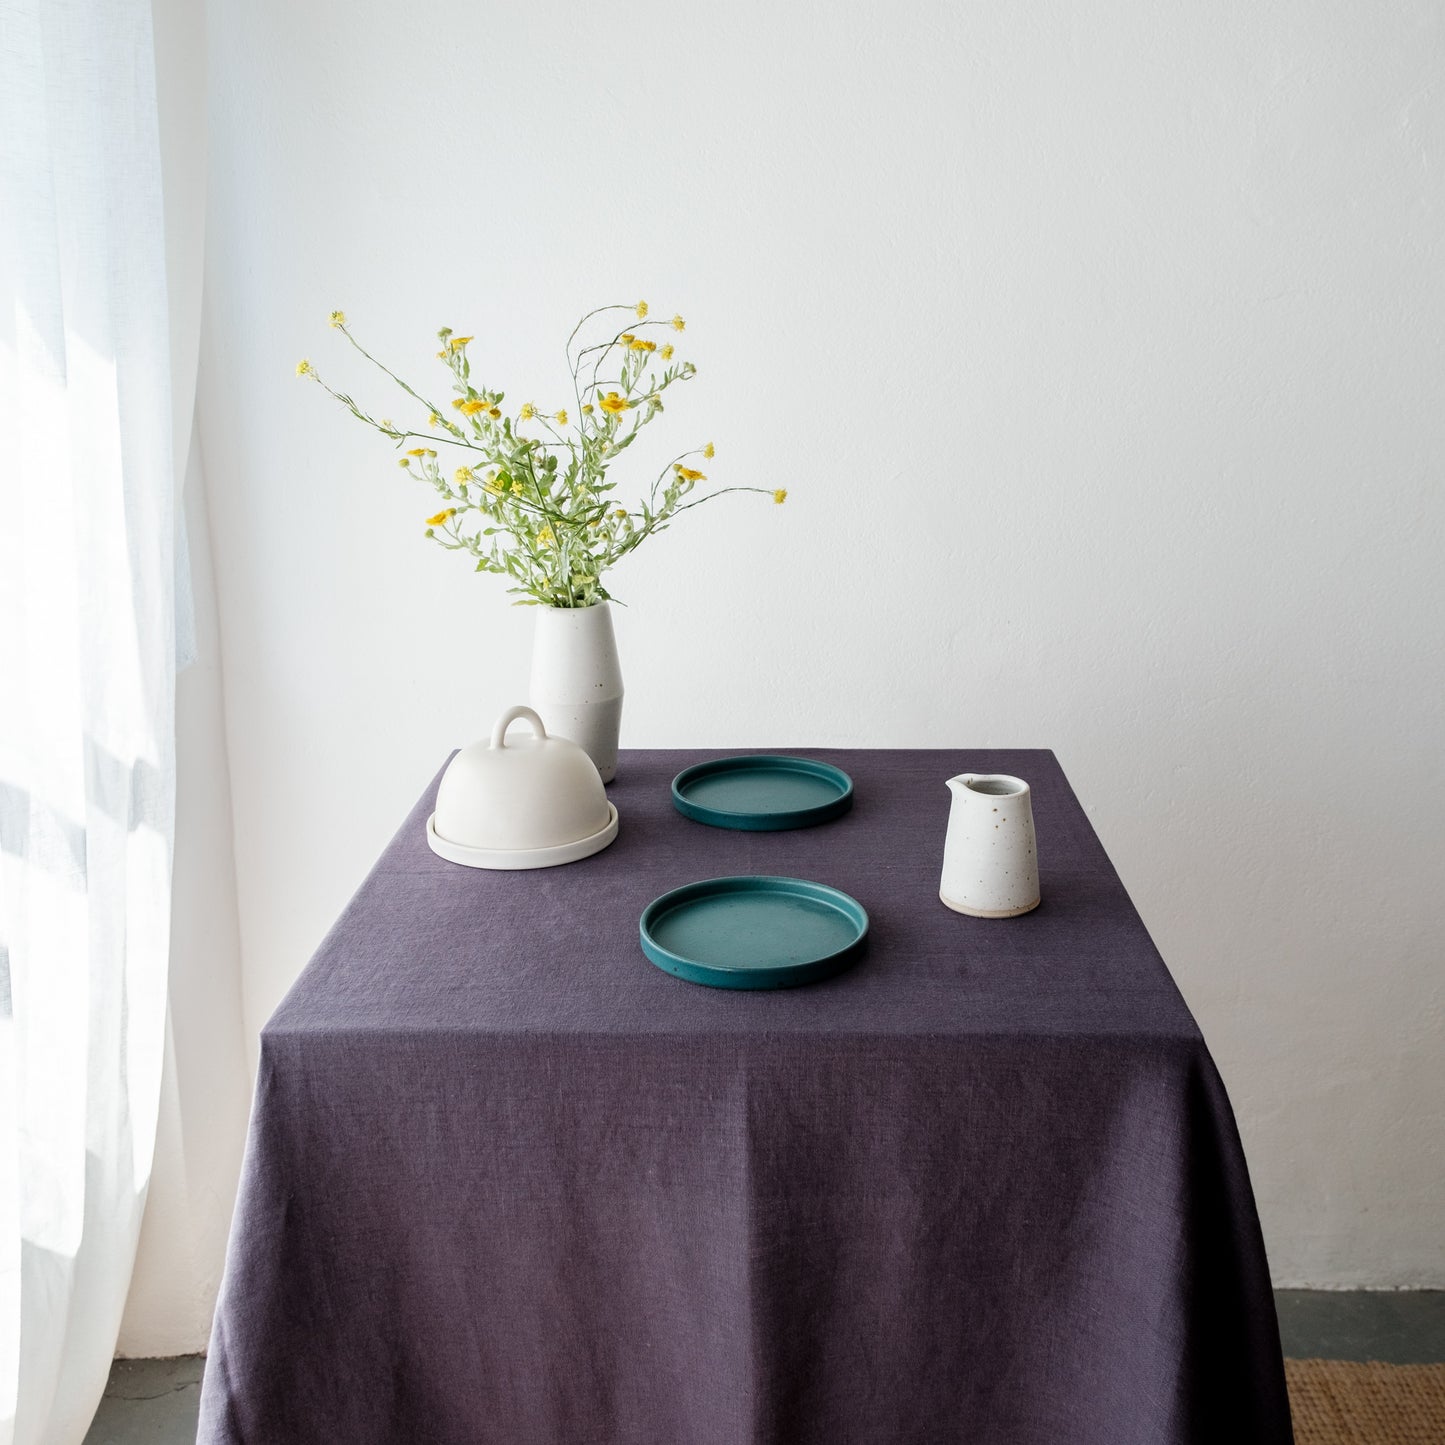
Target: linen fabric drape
[[88, 599], [506, 1181]]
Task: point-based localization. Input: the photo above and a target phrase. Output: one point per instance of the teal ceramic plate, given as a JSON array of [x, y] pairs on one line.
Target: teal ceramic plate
[[753, 932], [762, 794]]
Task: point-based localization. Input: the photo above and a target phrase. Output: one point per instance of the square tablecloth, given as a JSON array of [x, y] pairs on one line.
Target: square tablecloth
[[508, 1182]]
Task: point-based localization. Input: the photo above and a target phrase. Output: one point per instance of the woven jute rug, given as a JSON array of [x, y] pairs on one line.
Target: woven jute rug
[[1343, 1402]]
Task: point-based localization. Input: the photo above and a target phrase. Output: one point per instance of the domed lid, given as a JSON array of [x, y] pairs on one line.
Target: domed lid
[[527, 801]]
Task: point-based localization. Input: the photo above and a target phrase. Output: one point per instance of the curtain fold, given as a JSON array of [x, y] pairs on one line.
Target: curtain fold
[[88, 636]]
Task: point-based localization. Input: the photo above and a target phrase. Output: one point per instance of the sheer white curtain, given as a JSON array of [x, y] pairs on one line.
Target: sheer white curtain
[[88, 633]]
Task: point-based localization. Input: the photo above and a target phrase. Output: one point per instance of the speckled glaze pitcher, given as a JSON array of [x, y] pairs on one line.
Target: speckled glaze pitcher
[[990, 860]]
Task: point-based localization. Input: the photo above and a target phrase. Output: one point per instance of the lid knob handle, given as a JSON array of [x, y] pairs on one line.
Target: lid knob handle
[[511, 715]]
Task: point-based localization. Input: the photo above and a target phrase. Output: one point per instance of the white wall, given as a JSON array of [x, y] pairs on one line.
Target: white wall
[[205, 1084], [1101, 351], [205, 1081]]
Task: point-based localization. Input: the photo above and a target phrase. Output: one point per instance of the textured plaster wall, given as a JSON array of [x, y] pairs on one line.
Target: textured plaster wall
[[205, 1082], [1101, 350]]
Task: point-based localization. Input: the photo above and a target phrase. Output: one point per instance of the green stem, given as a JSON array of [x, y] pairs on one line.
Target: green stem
[[721, 492], [416, 396]]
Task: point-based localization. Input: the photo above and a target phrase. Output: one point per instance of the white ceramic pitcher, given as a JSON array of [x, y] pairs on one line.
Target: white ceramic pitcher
[[990, 860]]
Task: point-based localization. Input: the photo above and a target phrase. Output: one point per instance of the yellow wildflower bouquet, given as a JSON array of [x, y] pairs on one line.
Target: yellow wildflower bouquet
[[528, 493]]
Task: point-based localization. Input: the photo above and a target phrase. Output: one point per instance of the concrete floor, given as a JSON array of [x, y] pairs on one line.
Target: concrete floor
[[1401, 1327], [154, 1402], [149, 1402]]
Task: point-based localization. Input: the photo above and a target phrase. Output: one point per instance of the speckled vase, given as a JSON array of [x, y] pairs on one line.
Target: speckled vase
[[990, 860], [577, 680]]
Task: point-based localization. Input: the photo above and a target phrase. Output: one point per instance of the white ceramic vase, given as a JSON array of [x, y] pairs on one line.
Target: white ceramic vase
[[990, 859], [577, 680]]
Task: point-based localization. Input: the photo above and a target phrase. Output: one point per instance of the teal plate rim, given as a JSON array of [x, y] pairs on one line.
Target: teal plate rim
[[755, 821], [781, 975]]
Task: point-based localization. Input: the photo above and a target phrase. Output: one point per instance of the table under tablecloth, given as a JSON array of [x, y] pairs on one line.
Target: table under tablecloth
[[508, 1182]]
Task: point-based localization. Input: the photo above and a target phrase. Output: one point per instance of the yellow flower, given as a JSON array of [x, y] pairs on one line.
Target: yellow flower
[[678, 324], [709, 450], [457, 342], [434, 420], [780, 496], [303, 367], [666, 352], [471, 408], [587, 408], [430, 452], [494, 411], [561, 416], [464, 475], [527, 412], [614, 403], [441, 517], [639, 345], [403, 461], [627, 338], [620, 514], [641, 309], [338, 319], [459, 403], [688, 474], [545, 537]]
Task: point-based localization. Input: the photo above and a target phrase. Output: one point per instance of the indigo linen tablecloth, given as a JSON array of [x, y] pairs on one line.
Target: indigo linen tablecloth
[[508, 1182]]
